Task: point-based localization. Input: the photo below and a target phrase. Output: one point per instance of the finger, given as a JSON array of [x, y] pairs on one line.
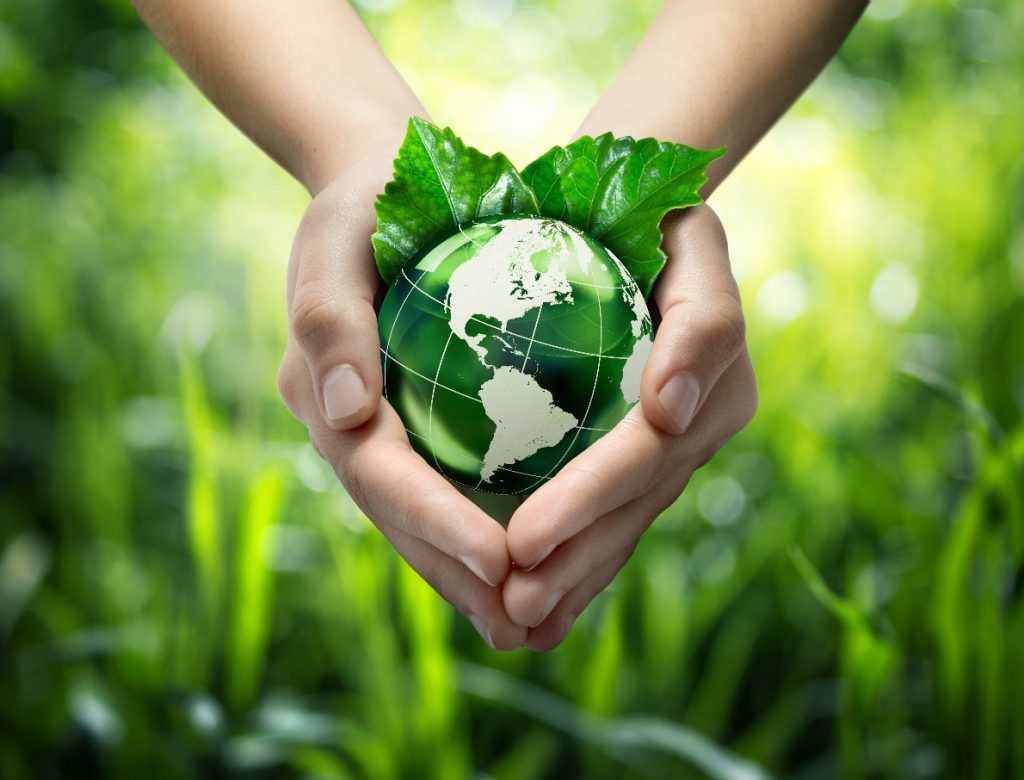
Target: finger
[[555, 628], [730, 408], [480, 603], [394, 486], [702, 328], [530, 597], [600, 479], [592, 484], [727, 412], [331, 312], [293, 383]]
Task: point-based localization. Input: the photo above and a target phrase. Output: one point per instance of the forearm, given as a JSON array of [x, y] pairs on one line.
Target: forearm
[[710, 73], [305, 81]]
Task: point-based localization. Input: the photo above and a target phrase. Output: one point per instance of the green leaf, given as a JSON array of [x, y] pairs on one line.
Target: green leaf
[[618, 190], [440, 183]]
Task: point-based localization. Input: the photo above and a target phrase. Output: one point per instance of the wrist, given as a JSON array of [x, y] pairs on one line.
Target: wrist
[[369, 133]]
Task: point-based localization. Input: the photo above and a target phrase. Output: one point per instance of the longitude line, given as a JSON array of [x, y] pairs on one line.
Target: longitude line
[[387, 349], [593, 391], [427, 378], [430, 409]]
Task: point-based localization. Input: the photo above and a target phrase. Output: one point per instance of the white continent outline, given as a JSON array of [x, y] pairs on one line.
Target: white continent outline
[[526, 419], [499, 284]]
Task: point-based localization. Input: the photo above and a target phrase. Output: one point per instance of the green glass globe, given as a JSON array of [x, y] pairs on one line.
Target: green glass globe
[[510, 347]]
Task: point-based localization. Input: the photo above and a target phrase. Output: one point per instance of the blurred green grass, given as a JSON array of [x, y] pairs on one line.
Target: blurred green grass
[[185, 589]]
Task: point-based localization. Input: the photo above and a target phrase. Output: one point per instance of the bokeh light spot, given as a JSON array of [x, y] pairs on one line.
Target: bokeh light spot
[[808, 142], [894, 293], [783, 296], [886, 10], [487, 14], [721, 500], [526, 107]]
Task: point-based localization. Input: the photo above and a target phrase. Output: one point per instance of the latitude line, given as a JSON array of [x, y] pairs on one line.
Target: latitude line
[[443, 386], [531, 340], [412, 370], [487, 324]]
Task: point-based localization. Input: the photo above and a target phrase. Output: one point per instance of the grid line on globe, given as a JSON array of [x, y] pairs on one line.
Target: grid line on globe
[[590, 401], [487, 324], [510, 348]]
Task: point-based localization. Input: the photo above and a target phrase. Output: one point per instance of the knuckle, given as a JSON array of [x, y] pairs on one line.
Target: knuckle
[[728, 323], [746, 406], [412, 522], [631, 425], [288, 386], [639, 458], [313, 319], [584, 477], [411, 516], [713, 322], [354, 484]]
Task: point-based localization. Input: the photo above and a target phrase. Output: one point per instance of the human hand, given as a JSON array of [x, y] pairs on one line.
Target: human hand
[[330, 379], [571, 537]]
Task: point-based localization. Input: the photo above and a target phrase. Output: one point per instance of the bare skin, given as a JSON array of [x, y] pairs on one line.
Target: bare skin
[[315, 92], [712, 73], [708, 73]]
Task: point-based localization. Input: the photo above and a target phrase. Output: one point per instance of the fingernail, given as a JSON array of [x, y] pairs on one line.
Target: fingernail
[[540, 558], [476, 568], [344, 392], [679, 398], [549, 605], [481, 629]]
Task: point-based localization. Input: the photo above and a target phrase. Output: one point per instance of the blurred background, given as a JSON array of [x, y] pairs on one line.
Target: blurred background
[[186, 591]]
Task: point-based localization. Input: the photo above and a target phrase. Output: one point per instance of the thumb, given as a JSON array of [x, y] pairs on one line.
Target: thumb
[[331, 312], [702, 330]]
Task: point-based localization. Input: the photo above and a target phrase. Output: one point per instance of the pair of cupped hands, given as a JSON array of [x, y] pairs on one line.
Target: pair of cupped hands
[[524, 584]]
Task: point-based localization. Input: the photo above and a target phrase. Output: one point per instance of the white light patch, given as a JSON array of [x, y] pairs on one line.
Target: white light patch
[[886, 10], [190, 323], [808, 142], [486, 14], [526, 108], [783, 296], [894, 293], [378, 6], [721, 500]]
